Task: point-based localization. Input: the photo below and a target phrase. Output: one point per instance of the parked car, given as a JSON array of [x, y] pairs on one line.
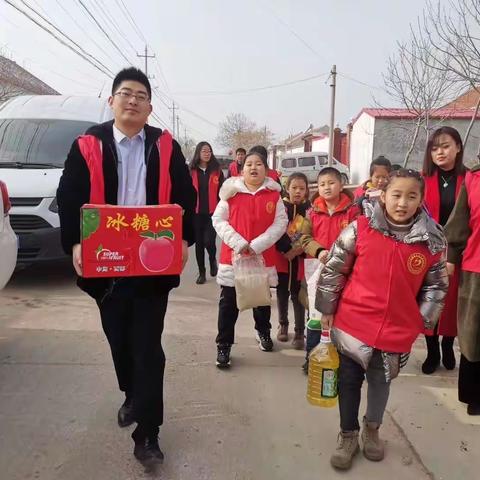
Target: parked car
[[310, 163], [36, 133], [8, 239], [224, 161]]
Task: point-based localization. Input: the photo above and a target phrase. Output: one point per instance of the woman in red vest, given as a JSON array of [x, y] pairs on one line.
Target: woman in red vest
[[384, 281], [463, 235], [207, 177], [250, 218], [444, 172]]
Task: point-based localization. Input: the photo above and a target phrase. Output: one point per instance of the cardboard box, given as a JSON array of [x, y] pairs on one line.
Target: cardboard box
[[125, 241]]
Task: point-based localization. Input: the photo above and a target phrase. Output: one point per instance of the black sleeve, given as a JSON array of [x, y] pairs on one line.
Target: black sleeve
[[72, 193], [221, 179], [284, 244], [183, 192]]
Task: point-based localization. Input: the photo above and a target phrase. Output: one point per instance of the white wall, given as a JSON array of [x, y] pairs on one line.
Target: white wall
[[361, 148], [321, 145]]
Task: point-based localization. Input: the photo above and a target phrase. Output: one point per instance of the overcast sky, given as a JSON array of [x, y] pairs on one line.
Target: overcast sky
[[217, 46]]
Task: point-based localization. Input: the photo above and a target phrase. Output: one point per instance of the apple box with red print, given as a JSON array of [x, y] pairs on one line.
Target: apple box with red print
[[125, 241]]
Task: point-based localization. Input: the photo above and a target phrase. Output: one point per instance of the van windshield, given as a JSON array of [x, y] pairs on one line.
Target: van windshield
[[31, 141]]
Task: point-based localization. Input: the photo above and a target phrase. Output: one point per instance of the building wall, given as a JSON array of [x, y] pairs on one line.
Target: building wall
[[361, 148], [320, 145], [393, 138]]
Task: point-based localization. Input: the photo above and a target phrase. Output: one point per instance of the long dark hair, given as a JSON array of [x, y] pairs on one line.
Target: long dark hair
[[195, 163], [429, 167]]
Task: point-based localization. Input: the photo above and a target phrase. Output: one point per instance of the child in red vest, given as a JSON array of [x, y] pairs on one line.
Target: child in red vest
[[207, 178], [332, 210], [290, 265], [249, 219], [380, 168], [384, 281], [235, 168]]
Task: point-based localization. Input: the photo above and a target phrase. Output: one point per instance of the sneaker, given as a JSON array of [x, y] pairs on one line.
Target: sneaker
[[373, 448], [298, 341], [347, 448], [223, 356], [282, 333], [264, 340]]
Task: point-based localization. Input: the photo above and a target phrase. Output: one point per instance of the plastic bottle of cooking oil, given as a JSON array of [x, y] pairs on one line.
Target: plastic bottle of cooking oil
[[323, 363]]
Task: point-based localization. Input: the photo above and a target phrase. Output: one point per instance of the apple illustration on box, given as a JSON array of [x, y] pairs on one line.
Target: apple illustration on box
[[156, 252]]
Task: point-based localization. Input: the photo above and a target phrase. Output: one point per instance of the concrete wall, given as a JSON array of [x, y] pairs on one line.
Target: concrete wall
[[361, 148], [321, 145], [393, 138]]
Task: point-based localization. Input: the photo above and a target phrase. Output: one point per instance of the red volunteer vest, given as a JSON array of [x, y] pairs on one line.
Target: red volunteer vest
[[91, 150], [447, 324], [379, 302], [213, 186], [233, 169], [471, 254], [250, 216], [432, 194], [325, 227]]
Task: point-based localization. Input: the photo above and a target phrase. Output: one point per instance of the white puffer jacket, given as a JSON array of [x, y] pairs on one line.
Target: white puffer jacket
[[234, 240]]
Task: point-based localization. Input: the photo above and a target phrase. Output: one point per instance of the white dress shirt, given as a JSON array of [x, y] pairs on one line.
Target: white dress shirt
[[132, 170]]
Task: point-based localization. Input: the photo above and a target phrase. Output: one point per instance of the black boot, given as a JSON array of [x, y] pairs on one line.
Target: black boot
[[448, 357], [213, 267], [432, 361], [201, 278]]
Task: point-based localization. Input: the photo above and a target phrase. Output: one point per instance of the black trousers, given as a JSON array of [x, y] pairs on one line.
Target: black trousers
[[228, 314], [469, 381], [350, 380], [133, 325], [205, 237], [290, 288]]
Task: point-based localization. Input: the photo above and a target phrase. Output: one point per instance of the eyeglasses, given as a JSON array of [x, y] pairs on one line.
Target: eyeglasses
[[126, 95]]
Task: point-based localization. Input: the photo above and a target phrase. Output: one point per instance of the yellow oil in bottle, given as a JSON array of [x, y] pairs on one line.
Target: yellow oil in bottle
[[323, 363]]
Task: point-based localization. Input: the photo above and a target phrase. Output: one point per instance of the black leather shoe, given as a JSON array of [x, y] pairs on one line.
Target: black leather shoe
[[201, 279], [473, 409], [148, 452], [125, 414], [213, 267]]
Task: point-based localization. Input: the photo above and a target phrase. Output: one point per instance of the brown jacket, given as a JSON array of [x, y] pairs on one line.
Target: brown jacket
[[457, 231]]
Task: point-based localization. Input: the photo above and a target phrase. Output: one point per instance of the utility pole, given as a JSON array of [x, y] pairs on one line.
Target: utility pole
[[173, 108], [146, 56], [178, 126], [333, 84]]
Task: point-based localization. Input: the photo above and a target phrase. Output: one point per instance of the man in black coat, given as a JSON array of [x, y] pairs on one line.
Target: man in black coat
[[132, 309]]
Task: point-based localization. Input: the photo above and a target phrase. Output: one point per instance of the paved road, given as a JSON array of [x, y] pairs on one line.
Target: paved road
[[58, 400]]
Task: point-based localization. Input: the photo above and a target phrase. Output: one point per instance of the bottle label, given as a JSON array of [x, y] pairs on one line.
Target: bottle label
[[329, 383]]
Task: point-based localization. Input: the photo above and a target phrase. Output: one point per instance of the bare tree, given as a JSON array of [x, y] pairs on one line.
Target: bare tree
[[419, 87], [449, 39], [188, 145], [239, 131]]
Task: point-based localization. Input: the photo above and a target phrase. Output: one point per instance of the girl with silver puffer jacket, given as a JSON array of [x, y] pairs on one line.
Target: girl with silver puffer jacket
[[384, 282]]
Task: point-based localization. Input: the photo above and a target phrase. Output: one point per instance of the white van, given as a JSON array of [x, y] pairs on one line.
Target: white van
[[310, 163], [8, 239], [36, 133]]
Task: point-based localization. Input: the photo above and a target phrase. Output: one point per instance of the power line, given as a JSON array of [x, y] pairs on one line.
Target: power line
[[129, 17], [82, 29], [104, 69], [110, 19], [103, 30], [348, 77], [255, 89]]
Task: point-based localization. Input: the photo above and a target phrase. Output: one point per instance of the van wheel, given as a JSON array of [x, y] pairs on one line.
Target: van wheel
[[344, 179]]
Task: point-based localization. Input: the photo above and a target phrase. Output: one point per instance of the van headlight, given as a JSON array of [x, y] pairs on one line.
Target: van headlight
[[54, 206]]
